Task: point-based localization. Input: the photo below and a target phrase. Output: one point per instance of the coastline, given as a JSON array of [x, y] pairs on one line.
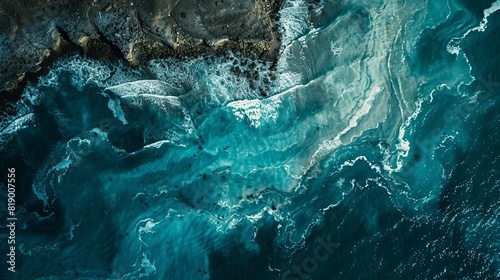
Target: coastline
[[37, 34]]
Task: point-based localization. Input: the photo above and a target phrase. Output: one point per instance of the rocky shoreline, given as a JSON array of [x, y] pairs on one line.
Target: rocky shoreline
[[34, 33]]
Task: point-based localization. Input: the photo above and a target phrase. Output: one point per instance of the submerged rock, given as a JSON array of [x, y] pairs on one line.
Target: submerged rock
[[33, 32]]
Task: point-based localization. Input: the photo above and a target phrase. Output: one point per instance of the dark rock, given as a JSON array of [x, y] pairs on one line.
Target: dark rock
[[33, 31]]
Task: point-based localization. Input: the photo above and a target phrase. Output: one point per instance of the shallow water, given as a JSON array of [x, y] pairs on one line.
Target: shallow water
[[376, 143]]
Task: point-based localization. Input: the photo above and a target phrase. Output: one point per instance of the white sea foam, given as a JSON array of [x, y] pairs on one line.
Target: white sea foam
[[294, 20], [403, 145], [114, 106], [148, 266], [141, 87], [18, 124], [453, 47], [146, 228], [328, 146], [257, 111]]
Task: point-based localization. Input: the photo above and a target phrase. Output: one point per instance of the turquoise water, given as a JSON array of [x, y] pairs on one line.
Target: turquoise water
[[373, 155]]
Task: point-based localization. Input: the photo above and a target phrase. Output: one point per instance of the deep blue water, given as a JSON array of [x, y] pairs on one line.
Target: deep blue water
[[374, 155]]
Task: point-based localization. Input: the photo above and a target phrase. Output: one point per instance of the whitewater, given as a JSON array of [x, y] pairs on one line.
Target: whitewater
[[376, 141]]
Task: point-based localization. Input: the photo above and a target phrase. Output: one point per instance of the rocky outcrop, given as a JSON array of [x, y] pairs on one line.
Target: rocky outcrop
[[32, 32]]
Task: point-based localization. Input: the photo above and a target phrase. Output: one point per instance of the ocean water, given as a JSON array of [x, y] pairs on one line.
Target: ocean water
[[374, 154]]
